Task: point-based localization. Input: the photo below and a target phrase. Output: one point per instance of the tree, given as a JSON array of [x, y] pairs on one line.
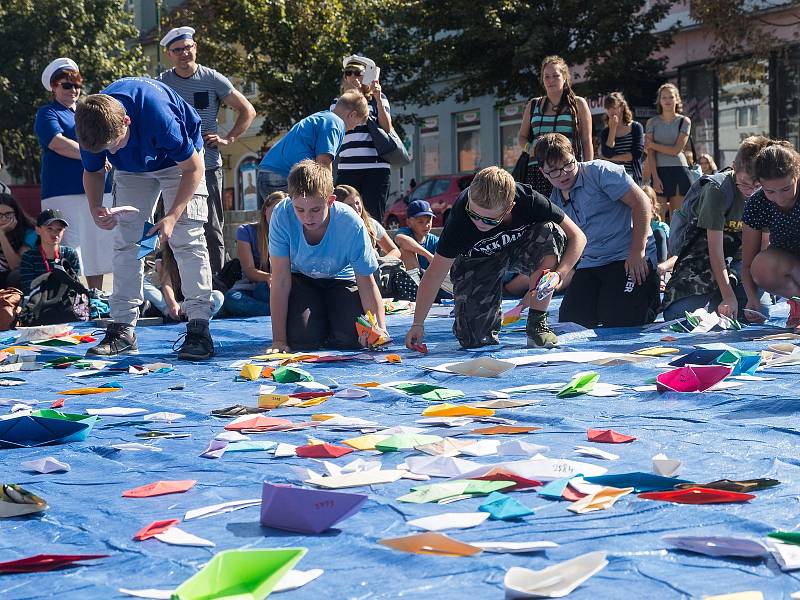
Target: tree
[[496, 47], [292, 49], [96, 34]]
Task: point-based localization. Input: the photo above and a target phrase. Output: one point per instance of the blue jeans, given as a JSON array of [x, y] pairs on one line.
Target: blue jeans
[[156, 298], [248, 303], [711, 300]]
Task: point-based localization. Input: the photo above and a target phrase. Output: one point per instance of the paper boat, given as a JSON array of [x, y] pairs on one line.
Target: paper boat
[[15, 502], [44, 427], [45, 562], [305, 510], [479, 367], [556, 581], [239, 575], [717, 545], [692, 378], [258, 423]]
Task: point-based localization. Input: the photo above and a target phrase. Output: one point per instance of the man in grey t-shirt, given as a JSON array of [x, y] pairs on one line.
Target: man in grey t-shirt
[[205, 89]]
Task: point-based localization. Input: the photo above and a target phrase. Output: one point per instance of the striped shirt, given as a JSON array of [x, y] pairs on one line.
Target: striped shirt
[[541, 124], [32, 265], [358, 149], [204, 91]]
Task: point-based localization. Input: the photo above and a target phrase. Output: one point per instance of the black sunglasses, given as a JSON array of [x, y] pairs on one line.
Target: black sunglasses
[[353, 73], [66, 85]]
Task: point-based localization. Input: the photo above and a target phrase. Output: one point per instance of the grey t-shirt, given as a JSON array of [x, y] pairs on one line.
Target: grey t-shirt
[[204, 90], [380, 232], [667, 134]]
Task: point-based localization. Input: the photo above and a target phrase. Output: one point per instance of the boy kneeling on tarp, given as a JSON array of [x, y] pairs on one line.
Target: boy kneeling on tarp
[[496, 226], [322, 261]]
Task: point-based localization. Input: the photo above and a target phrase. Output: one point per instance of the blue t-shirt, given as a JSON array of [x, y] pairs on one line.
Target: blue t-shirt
[[320, 133], [430, 243], [249, 234], [164, 129], [61, 176], [595, 204], [344, 251]]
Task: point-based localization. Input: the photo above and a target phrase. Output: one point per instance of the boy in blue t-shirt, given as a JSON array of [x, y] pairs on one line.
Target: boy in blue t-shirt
[[317, 137], [152, 137], [322, 262], [416, 242]]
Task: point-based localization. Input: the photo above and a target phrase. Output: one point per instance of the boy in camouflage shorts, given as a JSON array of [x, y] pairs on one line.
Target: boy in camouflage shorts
[[497, 226]]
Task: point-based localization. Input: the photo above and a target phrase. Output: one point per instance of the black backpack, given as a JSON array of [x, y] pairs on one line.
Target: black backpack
[[56, 297]]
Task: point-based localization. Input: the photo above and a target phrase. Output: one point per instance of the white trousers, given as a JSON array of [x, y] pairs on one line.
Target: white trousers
[[91, 242]]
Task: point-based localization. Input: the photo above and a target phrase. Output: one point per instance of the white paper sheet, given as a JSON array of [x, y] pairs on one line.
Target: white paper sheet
[[454, 520]]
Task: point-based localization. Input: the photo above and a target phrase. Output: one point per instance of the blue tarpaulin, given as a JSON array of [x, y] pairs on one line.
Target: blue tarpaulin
[[739, 433]]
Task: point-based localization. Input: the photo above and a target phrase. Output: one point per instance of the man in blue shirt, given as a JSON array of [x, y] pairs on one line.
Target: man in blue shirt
[[317, 137], [616, 283], [153, 138]]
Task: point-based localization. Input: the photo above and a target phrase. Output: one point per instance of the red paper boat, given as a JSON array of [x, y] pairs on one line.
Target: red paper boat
[[698, 495], [322, 451], [571, 494], [692, 378], [154, 528], [258, 423], [608, 436], [45, 562], [310, 395], [160, 488], [501, 474]]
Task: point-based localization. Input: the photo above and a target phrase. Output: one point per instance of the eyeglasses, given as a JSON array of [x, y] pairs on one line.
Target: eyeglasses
[[747, 188], [66, 85], [353, 73], [486, 220], [556, 173], [183, 49], [7, 216]]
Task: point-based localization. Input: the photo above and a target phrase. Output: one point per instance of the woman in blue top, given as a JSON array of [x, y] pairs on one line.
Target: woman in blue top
[[17, 236], [249, 297], [62, 171]]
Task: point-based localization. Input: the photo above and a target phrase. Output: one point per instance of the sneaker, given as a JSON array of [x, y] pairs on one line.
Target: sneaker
[[794, 314], [119, 339], [539, 333], [197, 342]]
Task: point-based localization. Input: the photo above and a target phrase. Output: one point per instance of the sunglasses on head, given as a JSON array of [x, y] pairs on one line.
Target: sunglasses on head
[[353, 72], [67, 85]]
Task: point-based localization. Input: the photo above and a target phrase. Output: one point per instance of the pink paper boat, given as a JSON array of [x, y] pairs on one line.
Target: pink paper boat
[[306, 510], [692, 378]]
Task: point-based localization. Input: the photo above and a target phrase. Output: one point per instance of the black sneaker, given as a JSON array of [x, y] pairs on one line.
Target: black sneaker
[[119, 339], [197, 342]]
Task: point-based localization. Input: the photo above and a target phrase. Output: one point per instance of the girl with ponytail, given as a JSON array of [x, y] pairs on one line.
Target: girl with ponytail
[[558, 111]]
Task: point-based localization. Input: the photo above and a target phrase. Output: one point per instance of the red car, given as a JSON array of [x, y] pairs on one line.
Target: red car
[[440, 191]]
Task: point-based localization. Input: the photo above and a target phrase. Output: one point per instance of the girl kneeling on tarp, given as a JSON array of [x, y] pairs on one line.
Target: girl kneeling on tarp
[[322, 262]]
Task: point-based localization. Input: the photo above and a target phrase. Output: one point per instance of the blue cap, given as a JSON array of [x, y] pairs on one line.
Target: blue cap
[[417, 208]]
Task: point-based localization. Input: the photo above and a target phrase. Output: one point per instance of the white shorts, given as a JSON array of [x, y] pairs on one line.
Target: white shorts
[[94, 245]]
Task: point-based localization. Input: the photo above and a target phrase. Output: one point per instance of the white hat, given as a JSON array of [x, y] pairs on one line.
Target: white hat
[[59, 64], [355, 59], [177, 33]]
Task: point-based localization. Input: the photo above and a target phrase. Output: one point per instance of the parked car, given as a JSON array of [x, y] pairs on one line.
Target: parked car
[[440, 191]]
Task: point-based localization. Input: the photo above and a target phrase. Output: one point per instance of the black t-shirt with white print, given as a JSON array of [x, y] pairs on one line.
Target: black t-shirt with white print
[[460, 236]]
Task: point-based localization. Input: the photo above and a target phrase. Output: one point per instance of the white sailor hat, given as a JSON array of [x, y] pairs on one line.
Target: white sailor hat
[[59, 64], [355, 59], [177, 33]]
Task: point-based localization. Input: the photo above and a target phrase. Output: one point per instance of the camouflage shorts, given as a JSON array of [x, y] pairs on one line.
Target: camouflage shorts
[[478, 282]]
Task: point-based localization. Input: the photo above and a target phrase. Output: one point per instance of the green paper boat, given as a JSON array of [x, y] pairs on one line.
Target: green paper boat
[[790, 537], [416, 389], [406, 441], [582, 383], [442, 394], [291, 375], [239, 575]]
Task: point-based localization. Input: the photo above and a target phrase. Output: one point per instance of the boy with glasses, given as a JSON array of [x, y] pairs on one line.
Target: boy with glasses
[[707, 270], [496, 226], [616, 283], [206, 90]]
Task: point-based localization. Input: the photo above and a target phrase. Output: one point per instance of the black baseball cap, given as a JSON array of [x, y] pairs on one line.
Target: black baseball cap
[[48, 216]]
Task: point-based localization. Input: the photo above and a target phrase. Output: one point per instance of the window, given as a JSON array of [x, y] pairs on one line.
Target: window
[[468, 140], [440, 186], [246, 178], [740, 99], [429, 146], [422, 191], [510, 119], [249, 89], [697, 92]]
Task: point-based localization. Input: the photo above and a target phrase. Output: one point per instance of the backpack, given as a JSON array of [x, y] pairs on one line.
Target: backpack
[[56, 297], [681, 224], [395, 282]]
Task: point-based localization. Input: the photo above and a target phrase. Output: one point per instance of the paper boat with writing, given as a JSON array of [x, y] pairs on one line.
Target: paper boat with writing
[[306, 510]]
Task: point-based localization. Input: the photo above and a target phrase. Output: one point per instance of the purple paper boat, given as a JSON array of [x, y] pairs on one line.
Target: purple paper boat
[[306, 510]]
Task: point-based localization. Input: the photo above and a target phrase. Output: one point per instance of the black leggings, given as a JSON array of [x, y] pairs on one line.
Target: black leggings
[[372, 184], [322, 312]]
